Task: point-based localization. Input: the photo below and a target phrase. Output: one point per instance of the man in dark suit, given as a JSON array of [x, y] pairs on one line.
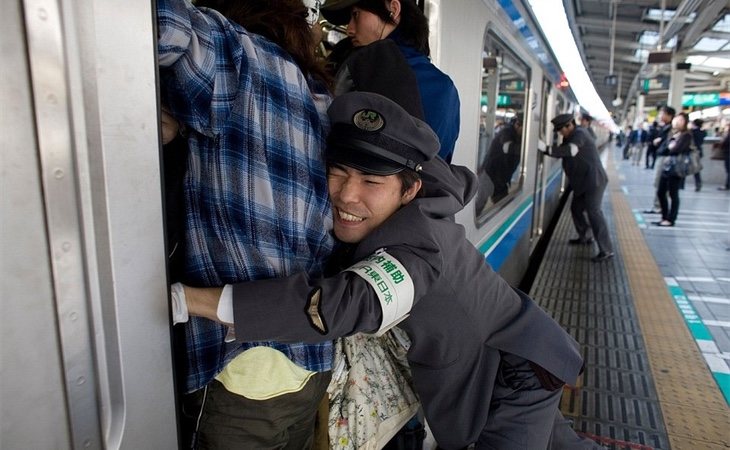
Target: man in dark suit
[[588, 179]]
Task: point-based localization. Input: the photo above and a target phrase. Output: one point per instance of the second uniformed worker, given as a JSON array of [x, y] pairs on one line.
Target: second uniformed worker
[[487, 362], [588, 180]]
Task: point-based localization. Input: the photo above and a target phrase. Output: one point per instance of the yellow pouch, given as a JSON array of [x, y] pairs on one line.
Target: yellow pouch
[[261, 373]]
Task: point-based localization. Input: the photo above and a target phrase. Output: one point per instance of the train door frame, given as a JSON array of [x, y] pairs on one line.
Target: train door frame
[[538, 211]]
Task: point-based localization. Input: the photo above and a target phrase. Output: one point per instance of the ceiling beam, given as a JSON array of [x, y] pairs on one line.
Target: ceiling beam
[[622, 24], [706, 17]]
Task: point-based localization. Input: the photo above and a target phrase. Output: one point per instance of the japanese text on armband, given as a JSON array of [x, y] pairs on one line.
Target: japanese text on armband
[[392, 284]]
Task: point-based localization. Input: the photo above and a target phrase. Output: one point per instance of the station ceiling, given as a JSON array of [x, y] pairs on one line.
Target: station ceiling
[[695, 31]]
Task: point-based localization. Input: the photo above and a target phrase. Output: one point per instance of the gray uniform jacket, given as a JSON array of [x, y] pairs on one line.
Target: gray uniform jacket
[[463, 316], [581, 162]]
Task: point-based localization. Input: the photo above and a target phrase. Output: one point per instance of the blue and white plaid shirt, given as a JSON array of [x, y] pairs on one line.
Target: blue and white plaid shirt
[[256, 188]]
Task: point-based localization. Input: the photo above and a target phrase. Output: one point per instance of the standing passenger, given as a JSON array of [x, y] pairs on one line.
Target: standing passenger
[[487, 362], [698, 137], [588, 179], [679, 142], [403, 22], [253, 101], [725, 151], [665, 117], [652, 134], [585, 123]]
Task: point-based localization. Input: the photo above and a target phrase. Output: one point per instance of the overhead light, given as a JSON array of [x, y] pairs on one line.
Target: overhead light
[[617, 101]]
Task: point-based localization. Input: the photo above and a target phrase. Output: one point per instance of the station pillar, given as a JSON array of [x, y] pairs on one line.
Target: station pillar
[[676, 83]]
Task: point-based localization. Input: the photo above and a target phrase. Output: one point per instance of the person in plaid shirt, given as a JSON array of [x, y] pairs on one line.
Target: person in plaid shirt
[[252, 101]]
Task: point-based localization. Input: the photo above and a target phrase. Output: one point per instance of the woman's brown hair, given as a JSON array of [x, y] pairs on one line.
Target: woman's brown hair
[[283, 22]]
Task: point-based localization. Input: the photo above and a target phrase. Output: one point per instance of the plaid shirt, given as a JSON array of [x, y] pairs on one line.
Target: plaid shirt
[[256, 189]]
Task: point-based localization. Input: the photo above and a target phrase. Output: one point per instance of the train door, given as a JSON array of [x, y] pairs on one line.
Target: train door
[[85, 360]]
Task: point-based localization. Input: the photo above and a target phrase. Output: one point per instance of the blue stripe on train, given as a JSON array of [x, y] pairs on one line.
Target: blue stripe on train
[[502, 242]]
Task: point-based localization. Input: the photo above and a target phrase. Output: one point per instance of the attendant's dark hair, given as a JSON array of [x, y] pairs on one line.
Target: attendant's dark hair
[[408, 178], [283, 22], [413, 25]]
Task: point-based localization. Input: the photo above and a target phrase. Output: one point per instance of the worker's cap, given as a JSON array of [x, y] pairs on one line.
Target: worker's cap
[[375, 135], [561, 120], [587, 117], [337, 12]]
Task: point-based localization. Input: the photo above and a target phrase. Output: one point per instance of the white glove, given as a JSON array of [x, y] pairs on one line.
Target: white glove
[[179, 307]]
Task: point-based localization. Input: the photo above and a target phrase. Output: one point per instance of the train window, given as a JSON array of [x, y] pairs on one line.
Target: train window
[[505, 83]]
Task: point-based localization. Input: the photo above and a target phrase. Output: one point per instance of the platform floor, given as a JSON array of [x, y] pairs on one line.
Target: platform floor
[[653, 323]]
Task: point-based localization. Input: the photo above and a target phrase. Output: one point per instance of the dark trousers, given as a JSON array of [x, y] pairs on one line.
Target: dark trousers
[[650, 152], [669, 184], [225, 420], [589, 204]]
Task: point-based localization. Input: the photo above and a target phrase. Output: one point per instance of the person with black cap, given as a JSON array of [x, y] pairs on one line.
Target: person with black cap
[[588, 180], [585, 123], [487, 362], [502, 160], [402, 22]]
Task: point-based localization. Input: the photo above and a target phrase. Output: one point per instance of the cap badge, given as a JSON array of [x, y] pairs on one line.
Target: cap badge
[[368, 120]]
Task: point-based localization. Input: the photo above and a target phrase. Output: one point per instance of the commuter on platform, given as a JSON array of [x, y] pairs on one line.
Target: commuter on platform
[[404, 23], [627, 142], [698, 137], [665, 117], [588, 179], [679, 142], [638, 140], [585, 122], [487, 362], [725, 147], [652, 133], [253, 102]]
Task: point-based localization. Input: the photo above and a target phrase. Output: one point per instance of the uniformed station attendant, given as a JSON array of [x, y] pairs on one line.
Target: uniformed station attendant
[[487, 362], [588, 180]]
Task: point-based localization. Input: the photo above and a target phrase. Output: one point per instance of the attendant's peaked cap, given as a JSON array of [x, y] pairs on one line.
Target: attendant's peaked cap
[[561, 120], [375, 135]]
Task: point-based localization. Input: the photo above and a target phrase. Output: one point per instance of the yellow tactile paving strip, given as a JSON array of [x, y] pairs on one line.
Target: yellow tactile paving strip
[[695, 413]]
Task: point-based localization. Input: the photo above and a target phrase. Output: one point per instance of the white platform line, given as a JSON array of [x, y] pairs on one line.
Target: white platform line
[[689, 229], [697, 298], [695, 279], [717, 323], [716, 363]]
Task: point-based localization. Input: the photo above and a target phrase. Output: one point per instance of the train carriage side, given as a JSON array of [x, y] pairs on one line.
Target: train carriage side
[[501, 78]]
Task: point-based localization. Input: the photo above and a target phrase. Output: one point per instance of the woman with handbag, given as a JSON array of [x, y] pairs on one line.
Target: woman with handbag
[[679, 143]]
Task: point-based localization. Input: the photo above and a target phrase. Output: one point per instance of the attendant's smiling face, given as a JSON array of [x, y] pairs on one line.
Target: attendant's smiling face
[[361, 202]]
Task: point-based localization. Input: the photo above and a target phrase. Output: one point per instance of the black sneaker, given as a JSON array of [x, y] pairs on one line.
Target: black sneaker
[[580, 241], [602, 256]]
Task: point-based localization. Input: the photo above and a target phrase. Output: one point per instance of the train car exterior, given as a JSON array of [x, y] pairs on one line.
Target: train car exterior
[[86, 357], [503, 70]]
